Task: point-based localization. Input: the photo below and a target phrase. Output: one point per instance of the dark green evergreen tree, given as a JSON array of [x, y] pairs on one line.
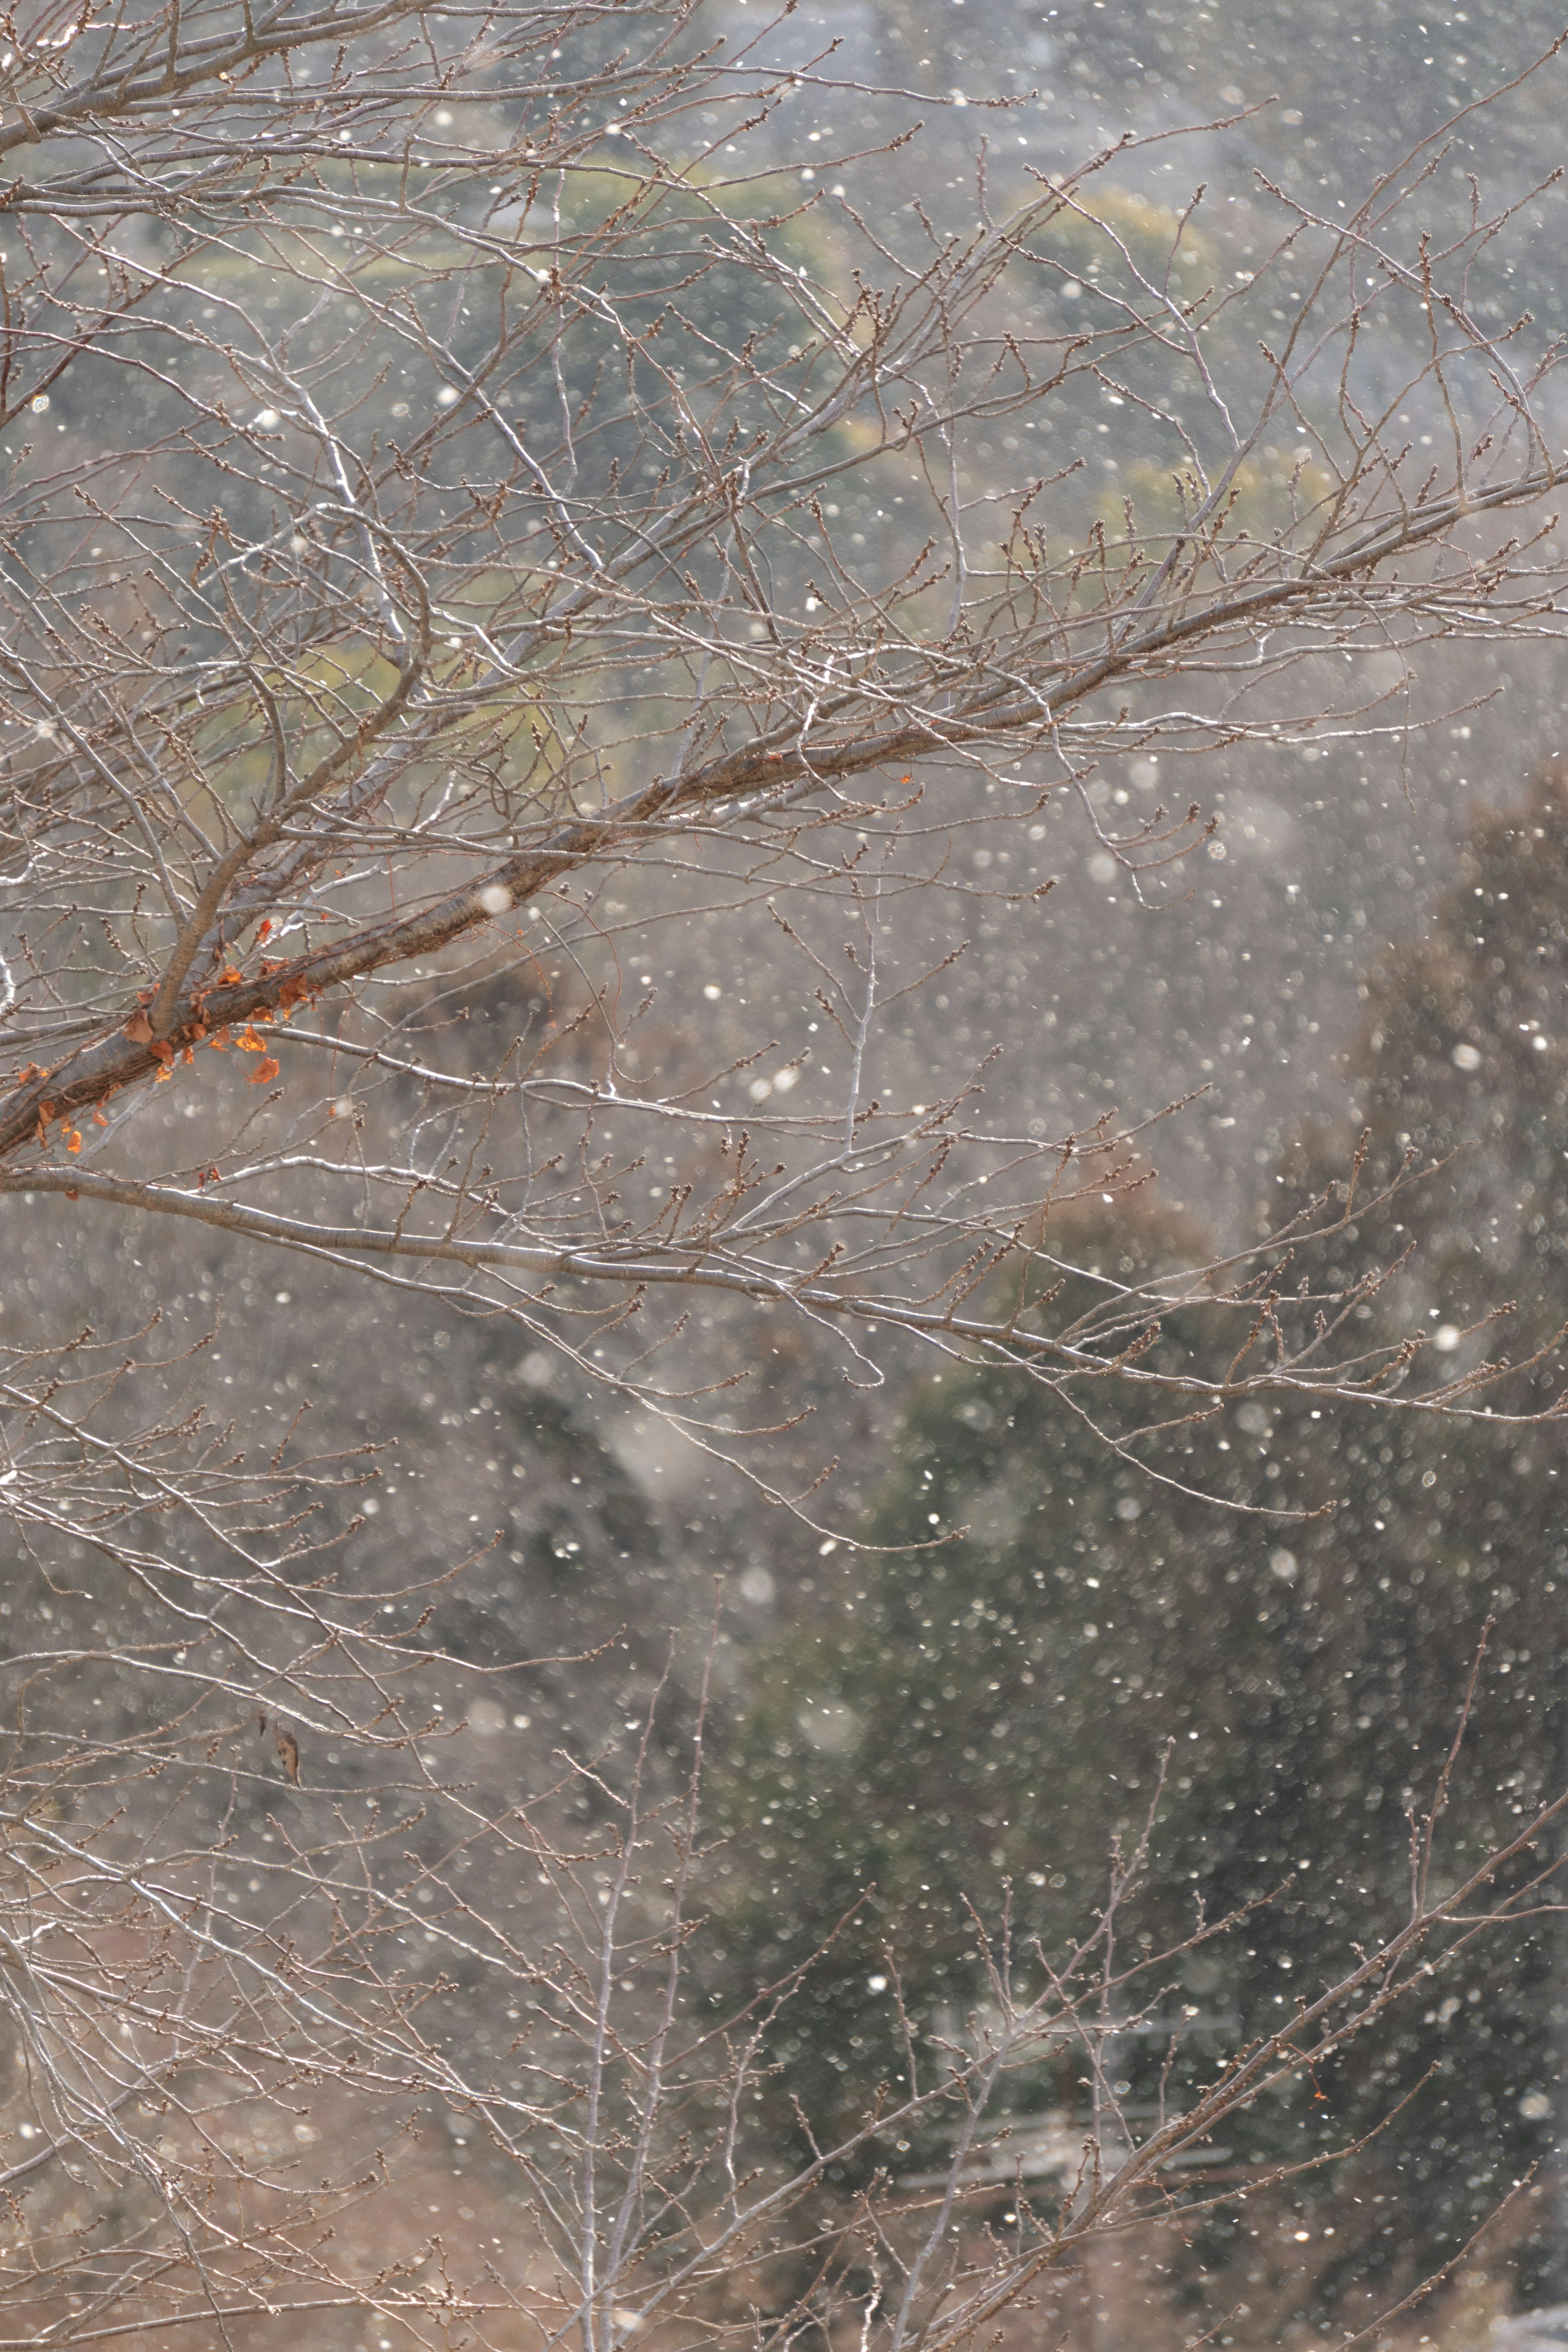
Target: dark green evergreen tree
[[993, 1707], [986, 1702]]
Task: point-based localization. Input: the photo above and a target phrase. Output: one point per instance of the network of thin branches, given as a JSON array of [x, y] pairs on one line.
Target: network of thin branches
[[422, 434], [427, 578], [228, 2087]]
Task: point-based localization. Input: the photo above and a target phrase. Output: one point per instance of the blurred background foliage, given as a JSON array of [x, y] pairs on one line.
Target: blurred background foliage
[[981, 1697], [989, 1710]]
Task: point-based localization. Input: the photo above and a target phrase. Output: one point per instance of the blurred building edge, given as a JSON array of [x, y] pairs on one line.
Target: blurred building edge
[[1531, 2331], [1057, 2145]]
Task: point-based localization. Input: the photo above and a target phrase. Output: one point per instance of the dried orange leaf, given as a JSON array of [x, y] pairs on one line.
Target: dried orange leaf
[[264, 1072]]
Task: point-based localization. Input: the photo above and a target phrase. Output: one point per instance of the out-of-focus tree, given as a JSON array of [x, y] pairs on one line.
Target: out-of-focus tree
[[981, 1706], [1029, 1616], [1452, 1522]]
